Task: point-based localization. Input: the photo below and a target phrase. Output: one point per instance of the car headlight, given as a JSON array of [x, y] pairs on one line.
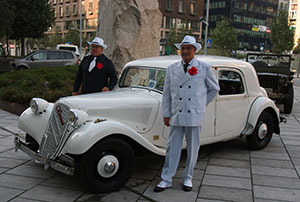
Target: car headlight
[[38, 105], [77, 117]]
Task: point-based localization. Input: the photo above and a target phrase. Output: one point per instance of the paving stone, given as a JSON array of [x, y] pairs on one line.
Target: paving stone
[[271, 171], [2, 170], [291, 142], [145, 174], [271, 163], [198, 174], [7, 193], [150, 162], [8, 141], [137, 185], [294, 154], [229, 162], [296, 161], [266, 200], [228, 171], [5, 132], [18, 182], [13, 129], [120, 196], [223, 181], [64, 181], [32, 171], [273, 149], [274, 181], [293, 148], [44, 193], [173, 194], [23, 200], [4, 148], [10, 163], [201, 164], [229, 155], [273, 193], [268, 155], [15, 155], [208, 200], [226, 194]]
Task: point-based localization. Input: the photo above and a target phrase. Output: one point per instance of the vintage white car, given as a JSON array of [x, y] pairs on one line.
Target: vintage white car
[[97, 135]]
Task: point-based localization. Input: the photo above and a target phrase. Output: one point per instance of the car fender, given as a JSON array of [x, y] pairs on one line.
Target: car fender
[[22, 64], [259, 105], [35, 124], [82, 139]]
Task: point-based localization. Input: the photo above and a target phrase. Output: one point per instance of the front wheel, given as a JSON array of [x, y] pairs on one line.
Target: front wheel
[[288, 103], [107, 166], [262, 134]]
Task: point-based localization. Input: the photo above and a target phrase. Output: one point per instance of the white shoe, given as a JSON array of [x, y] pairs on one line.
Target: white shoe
[[164, 184], [188, 183]]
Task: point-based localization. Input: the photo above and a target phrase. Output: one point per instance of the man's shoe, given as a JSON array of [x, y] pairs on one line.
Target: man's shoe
[[162, 186], [186, 188], [187, 185]]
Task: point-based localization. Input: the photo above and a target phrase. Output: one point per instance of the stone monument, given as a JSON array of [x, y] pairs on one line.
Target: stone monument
[[130, 28]]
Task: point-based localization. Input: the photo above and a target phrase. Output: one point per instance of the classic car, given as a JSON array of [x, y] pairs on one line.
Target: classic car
[[275, 75], [98, 136]]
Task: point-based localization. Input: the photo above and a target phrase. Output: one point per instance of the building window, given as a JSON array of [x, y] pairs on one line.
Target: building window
[[61, 1], [90, 7], [181, 24], [75, 9], [67, 10], [61, 11], [170, 22], [180, 6], [54, 2], [82, 8], [193, 7], [169, 6], [54, 9]]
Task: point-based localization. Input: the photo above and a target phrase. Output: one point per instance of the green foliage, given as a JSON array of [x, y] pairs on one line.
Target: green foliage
[[224, 37], [176, 37], [7, 11], [73, 36], [49, 83], [282, 37]]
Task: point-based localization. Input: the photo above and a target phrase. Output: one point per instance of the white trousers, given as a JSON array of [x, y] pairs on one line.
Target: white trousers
[[173, 153]]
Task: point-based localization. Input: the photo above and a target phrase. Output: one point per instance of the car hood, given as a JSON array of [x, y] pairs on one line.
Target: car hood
[[137, 108]]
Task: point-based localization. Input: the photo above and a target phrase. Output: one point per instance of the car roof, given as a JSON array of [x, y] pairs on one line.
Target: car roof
[[165, 61]]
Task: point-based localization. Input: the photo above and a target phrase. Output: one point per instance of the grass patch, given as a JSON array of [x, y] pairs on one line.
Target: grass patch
[[49, 83]]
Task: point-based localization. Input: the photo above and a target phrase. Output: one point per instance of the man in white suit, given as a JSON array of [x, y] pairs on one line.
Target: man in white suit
[[190, 85]]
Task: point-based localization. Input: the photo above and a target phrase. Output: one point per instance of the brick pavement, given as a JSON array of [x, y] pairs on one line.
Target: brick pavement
[[225, 171]]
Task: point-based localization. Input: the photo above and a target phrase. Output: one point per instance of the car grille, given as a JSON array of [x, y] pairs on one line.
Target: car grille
[[55, 130], [267, 81]]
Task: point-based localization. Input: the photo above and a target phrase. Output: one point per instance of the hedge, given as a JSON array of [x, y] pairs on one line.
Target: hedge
[[49, 83]]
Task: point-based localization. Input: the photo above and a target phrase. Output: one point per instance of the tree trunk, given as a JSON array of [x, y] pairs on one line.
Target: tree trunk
[[23, 47]]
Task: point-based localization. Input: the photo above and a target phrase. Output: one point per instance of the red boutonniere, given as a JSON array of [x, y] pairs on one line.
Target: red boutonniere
[[193, 71], [99, 65]]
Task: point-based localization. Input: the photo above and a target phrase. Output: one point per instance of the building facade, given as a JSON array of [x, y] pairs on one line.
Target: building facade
[[294, 15], [180, 15], [67, 15], [251, 18]]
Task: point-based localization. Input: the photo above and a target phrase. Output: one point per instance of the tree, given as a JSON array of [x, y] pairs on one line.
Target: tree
[[224, 37], [7, 11], [176, 37], [73, 36], [282, 37], [32, 18]]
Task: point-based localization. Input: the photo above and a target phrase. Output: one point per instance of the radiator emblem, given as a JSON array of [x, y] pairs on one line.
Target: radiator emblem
[[59, 113]]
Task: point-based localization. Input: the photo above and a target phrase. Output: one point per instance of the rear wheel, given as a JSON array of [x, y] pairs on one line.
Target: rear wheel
[[21, 67], [288, 103], [262, 133], [107, 166]]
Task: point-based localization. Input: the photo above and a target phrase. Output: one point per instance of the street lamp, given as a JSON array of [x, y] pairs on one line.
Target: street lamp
[[206, 26]]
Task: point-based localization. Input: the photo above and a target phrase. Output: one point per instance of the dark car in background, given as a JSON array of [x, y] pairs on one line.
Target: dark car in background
[[46, 58], [275, 75], [5, 63]]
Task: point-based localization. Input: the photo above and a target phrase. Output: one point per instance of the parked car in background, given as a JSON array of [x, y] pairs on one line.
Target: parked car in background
[[98, 135], [70, 47], [46, 58], [275, 75], [5, 63]]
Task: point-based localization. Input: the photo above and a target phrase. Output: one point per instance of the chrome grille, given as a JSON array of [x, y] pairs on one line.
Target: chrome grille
[[55, 130], [267, 81]]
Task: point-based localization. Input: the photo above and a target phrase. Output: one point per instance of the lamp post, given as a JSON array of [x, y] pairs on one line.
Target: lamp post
[[206, 26]]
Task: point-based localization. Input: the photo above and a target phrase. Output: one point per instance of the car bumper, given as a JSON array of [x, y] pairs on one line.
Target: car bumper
[[46, 161]]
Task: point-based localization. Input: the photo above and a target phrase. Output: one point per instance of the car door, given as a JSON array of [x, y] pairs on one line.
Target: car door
[[56, 58], [38, 59], [232, 103]]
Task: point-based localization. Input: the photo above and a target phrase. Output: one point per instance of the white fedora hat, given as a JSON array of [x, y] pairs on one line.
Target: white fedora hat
[[98, 41], [189, 40]]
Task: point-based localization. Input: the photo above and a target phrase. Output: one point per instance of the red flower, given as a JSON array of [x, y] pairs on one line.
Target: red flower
[[193, 71], [99, 65]]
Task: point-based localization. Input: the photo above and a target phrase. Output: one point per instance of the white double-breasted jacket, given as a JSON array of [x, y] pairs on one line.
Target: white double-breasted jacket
[[186, 96]]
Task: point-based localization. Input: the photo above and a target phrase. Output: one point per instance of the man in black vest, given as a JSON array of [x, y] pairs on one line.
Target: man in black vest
[[96, 72]]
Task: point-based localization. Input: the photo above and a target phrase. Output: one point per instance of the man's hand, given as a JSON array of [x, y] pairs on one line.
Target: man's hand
[[167, 121], [105, 89], [75, 93]]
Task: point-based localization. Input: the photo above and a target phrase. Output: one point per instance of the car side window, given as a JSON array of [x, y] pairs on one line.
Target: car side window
[[40, 56], [55, 55], [68, 55], [230, 82]]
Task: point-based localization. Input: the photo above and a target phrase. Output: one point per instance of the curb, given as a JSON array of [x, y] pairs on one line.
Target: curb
[[12, 107]]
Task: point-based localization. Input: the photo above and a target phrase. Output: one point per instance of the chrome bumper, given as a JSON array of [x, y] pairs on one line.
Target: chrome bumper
[[46, 161]]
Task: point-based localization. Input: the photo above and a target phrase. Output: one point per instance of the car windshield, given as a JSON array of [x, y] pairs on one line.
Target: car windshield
[[145, 77]]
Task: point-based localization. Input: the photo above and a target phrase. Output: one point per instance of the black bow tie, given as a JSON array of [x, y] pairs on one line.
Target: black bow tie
[[185, 67]]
